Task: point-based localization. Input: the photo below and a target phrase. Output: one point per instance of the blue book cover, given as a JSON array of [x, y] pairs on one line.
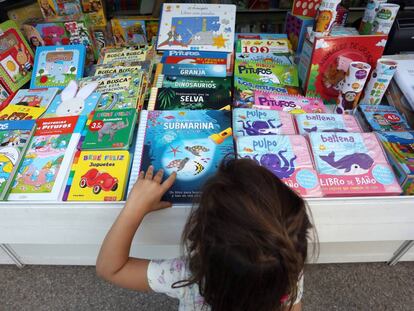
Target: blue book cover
[[56, 66], [193, 54], [191, 143], [62, 108], [383, 118], [195, 70]]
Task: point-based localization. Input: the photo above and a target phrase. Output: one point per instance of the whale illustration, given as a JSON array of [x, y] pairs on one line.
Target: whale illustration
[[352, 164]]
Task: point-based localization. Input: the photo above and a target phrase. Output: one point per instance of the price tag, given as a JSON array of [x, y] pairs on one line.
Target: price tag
[[392, 117], [96, 125]]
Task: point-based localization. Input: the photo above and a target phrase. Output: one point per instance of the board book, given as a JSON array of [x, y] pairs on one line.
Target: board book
[[145, 66], [98, 176], [110, 129], [44, 168], [195, 70], [128, 31], [194, 57], [110, 55], [254, 122], [399, 147], [190, 26], [14, 139], [381, 118], [281, 59], [191, 143], [34, 97], [179, 82], [286, 156], [16, 112], [56, 66], [259, 46], [326, 122]]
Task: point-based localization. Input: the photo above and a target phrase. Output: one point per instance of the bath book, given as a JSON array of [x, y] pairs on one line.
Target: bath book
[[195, 70], [56, 66], [399, 147], [16, 112], [110, 129], [254, 122], [16, 57], [34, 97], [98, 176], [382, 118], [294, 104], [352, 164], [44, 168], [122, 67], [179, 82], [194, 57], [110, 55], [281, 59], [326, 122], [14, 138], [286, 156], [262, 46], [193, 26], [167, 98], [191, 143]]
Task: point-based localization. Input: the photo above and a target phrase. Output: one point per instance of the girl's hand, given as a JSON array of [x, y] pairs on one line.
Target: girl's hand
[[148, 190]]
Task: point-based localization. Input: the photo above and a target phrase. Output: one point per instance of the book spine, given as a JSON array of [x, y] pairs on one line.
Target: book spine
[[70, 177], [152, 99]]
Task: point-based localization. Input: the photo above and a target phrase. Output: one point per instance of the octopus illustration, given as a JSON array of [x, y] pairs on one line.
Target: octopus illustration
[[196, 150], [179, 164], [278, 164], [260, 127]]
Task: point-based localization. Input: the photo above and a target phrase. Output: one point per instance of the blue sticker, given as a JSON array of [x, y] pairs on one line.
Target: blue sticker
[[383, 175], [307, 179]]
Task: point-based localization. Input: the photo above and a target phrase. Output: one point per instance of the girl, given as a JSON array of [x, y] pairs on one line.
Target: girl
[[246, 243]]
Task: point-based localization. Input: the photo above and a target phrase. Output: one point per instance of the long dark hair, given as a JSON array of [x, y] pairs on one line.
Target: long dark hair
[[246, 242]]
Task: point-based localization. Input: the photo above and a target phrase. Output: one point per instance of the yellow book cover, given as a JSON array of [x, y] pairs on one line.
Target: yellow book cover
[[17, 112], [98, 176]]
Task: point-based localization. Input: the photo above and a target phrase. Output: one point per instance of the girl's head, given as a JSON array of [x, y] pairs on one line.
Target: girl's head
[[247, 240]]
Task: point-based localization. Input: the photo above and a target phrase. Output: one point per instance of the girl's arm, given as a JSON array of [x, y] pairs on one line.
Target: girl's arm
[[113, 263]]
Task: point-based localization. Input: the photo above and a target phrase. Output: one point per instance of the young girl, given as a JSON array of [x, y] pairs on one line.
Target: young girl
[[246, 243]]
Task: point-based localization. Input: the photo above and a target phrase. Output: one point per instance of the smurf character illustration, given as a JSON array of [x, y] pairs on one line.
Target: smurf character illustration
[[246, 99]]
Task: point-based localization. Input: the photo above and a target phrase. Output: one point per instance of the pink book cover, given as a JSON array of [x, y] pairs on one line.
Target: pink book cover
[[294, 104], [326, 122], [286, 156], [352, 164], [253, 122]]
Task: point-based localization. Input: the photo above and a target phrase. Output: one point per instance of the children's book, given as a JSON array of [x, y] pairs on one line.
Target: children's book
[[179, 82], [101, 70], [326, 122], [193, 26], [98, 176], [352, 164], [110, 55], [110, 129], [56, 66], [34, 97], [16, 112], [281, 59], [254, 122], [382, 118], [259, 46], [5, 95], [73, 101], [286, 156], [194, 57], [167, 98], [294, 104], [44, 168], [191, 143], [14, 138], [95, 11], [196, 70], [56, 9], [16, 57], [260, 36], [399, 147], [128, 31]]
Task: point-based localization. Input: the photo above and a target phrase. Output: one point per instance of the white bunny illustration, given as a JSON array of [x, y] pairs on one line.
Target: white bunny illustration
[[73, 101]]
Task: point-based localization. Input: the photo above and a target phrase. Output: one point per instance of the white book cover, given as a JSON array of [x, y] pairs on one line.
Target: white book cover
[[404, 77], [194, 26]]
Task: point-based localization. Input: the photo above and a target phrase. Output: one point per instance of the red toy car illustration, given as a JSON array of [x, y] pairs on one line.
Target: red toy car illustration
[[98, 181]]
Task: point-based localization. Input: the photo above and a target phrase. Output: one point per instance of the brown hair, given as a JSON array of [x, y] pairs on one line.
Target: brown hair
[[247, 240]]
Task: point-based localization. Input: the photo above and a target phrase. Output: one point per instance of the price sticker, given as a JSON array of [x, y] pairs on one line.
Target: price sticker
[[392, 117], [96, 125]]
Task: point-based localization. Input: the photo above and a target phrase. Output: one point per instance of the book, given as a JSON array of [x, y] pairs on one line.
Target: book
[[45, 166], [286, 156], [352, 164], [381, 118], [98, 176], [404, 78], [167, 98], [110, 129], [34, 97], [194, 57], [191, 143], [56, 66], [180, 82], [122, 67], [110, 55], [16, 112], [399, 147], [193, 26], [259, 46], [14, 138], [281, 59], [254, 122], [128, 31], [326, 122], [195, 70]]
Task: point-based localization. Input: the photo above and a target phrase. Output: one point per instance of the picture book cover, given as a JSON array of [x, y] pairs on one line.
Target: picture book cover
[[56, 66], [14, 138], [196, 70], [258, 46], [57, 9], [73, 101], [45, 166], [110, 129], [182, 99], [194, 57], [191, 143], [294, 104], [260, 36], [128, 31], [286, 156], [16, 112], [180, 82], [352, 164], [101, 70], [118, 90], [34, 97], [16, 57], [326, 122], [253, 122], [383, 118], [95, 11], [5, 95], [399, 147], [281, 59], [193, 26], [110, 55], [98, 176]]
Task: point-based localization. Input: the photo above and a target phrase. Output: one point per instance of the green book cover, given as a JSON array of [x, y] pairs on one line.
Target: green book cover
[[180, 82], [110, 129]]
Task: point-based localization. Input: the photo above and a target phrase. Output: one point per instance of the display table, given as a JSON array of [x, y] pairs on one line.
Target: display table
[[363, 229]]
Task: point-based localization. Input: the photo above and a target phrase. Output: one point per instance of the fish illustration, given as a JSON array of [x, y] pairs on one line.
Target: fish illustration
[[351, 164], [199, 168], [196, 150], [169, 117], [179, 163]]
